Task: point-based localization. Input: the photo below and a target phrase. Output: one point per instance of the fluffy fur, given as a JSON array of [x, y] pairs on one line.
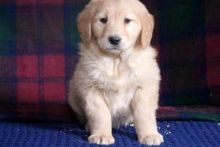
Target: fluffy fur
[[115, 85]]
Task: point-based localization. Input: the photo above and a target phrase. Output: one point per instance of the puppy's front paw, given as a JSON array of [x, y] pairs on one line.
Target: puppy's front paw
[[154, 139], [101, 139]]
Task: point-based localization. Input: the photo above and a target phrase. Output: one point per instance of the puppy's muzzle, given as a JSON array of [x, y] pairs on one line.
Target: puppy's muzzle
[[114, 40]]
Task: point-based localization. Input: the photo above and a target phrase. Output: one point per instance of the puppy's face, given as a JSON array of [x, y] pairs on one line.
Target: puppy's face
[[115, 25]]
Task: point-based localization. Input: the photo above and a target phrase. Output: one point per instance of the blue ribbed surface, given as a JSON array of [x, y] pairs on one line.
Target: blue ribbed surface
[[176, 134]]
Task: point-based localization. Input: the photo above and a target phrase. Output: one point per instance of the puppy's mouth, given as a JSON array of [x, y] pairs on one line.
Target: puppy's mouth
[[107, 47], [115, 49]]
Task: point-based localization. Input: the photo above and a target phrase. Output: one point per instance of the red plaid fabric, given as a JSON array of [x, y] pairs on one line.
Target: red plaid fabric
[[38, 54]]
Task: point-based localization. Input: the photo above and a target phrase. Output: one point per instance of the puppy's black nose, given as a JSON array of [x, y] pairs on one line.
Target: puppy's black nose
[[114, 40]]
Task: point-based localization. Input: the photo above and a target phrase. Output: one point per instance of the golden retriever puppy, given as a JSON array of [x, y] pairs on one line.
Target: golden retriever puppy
[[116, 81]]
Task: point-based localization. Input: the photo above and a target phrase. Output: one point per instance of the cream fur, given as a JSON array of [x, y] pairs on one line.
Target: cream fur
[[114, 88]]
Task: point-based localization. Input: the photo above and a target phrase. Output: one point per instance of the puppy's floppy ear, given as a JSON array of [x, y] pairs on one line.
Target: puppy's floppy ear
[[84, 23], [147, 22]]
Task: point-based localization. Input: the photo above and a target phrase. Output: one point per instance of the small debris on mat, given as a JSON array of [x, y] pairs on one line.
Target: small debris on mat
[[167, 132], [131, 125]]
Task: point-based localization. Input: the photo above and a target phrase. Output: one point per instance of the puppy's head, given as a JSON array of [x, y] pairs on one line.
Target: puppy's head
[[115, 25]]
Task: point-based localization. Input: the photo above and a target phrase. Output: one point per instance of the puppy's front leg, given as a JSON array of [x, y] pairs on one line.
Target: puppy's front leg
[[98, 118], [144, 108]]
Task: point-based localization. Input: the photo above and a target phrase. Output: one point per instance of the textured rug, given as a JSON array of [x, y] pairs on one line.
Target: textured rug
[[176, 134]]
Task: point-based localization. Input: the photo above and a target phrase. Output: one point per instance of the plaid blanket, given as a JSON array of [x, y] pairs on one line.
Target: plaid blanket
[[38, 53]]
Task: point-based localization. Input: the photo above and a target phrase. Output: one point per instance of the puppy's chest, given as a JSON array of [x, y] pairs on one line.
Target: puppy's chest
[[115, 75]]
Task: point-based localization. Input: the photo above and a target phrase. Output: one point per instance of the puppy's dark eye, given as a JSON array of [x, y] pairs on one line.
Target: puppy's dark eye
[[127, 20], [104, 20]]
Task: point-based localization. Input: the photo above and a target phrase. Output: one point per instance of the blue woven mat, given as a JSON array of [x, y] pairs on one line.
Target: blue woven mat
[[176, 134]]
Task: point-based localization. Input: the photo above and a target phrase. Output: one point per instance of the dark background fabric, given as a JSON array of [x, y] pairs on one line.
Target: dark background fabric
[[38, 54]]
